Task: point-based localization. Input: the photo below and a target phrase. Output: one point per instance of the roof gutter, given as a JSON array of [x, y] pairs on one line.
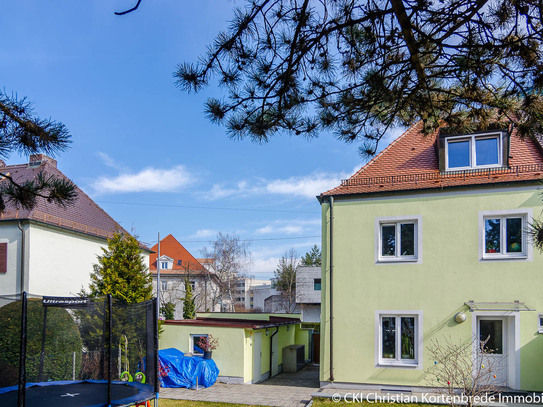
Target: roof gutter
[[23, 243], [331, 261]]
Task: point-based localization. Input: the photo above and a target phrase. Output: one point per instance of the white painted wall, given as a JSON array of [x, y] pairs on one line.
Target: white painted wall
[[260, 293], [311, 312], [10, 282], [305, 291], [60, 262]]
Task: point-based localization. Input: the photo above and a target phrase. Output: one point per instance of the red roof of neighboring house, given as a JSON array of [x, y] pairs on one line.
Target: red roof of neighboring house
[[236, 323], [411, 162], [83, 216], [169, 246]]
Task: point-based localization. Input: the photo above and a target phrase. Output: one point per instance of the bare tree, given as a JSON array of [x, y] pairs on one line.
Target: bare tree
[[231, 256], [464, 372], [285, 279]]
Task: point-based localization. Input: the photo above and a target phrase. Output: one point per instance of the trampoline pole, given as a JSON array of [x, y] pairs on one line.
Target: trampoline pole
[[157, 361], [109, 347], [21, 399]]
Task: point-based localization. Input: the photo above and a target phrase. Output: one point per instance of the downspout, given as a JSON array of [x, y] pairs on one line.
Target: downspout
[[271, 349], [19, 225], [331, 289]]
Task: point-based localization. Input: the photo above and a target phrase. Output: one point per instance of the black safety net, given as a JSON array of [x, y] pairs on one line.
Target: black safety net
[[76, 351]]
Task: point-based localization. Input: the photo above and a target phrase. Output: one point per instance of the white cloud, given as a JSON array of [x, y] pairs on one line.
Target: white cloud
[[308, 186], [109, 161], [263, 267], [289, 227], [204, 233], [219, 191], [147, 180]]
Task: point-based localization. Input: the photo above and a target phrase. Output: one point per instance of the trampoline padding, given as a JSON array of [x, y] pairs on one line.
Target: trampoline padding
[[88, 393]]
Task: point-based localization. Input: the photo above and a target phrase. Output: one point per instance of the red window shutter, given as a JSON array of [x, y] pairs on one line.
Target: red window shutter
[[3, 257]]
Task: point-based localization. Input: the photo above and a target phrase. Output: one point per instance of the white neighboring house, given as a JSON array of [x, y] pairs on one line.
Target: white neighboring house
[[259, 294], [243, 292], [51, 250], [177, 264], [308, 293]]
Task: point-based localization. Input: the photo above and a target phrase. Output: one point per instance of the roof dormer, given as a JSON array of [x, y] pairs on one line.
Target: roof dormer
[[165, 262], [479, 150]]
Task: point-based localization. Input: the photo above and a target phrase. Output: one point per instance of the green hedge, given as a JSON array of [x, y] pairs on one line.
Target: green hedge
[[62, 339]]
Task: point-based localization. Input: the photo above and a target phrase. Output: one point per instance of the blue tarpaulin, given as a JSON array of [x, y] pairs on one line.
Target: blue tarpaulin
[[178, 370]]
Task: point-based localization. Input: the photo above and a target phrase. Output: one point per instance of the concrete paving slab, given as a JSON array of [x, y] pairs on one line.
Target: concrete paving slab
[[284, 390]]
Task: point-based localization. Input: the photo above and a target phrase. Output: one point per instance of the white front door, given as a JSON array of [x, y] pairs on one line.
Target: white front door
[[257, 356], [492, 337]]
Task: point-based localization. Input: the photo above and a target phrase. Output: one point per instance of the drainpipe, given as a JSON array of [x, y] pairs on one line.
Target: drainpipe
[[331, 290], [271, 349], [19, 225]]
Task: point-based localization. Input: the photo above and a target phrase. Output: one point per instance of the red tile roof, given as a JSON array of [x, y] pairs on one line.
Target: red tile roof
[[83, 216], [411, 163], [170, 247]]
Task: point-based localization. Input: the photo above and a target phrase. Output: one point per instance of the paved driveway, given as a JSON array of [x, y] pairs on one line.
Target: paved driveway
[[285, 389]]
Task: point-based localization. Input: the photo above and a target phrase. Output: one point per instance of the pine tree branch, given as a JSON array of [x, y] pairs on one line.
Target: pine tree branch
[[122, 13]]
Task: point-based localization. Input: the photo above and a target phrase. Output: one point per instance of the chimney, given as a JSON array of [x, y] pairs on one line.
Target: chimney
[[37, 159]]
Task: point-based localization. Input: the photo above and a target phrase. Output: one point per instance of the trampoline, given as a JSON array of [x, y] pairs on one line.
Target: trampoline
[[77, 352]]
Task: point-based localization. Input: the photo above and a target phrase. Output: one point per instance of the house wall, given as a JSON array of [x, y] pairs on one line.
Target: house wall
[[305, 287], [230, 356], [10, 282], [449, 274], [176, 292], [60, 262], [311, 312]]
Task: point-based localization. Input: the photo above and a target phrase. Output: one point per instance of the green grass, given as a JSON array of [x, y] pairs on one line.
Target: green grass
[[190, 403], [317, 402], [325, 402]]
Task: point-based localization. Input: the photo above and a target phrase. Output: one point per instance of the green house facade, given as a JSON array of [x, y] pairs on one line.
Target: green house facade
[[431, 241]]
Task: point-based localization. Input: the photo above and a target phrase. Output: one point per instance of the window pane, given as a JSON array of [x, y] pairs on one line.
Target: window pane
[[491, 331], [492, 236], [317, 284], [514, 235], [486, 151], [407, 239], [388, 240], [389, 337], [408, 337], [458, 154], [196, 341]]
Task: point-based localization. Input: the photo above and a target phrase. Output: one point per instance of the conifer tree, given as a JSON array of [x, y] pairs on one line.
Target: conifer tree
[[312, 257], [188, 301], [23, 132], [359, 68], [121, 271]]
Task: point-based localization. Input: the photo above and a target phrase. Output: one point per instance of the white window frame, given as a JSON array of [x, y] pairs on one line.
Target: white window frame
[[397, 220], [472, 151], [164, 285], [539, 324], [191, 342], [525, 215], [398, 362]]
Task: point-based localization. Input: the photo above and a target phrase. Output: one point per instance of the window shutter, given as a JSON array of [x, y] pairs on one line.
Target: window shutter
[[3, 258]]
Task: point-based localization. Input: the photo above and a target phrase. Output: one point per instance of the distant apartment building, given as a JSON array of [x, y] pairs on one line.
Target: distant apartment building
[[308, 293]]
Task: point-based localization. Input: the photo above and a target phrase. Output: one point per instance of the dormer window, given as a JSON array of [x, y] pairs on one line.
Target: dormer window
[[165, 263], [473, 151]]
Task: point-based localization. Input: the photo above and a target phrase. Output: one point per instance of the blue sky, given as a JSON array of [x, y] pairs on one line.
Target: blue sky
[[143, 149]]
